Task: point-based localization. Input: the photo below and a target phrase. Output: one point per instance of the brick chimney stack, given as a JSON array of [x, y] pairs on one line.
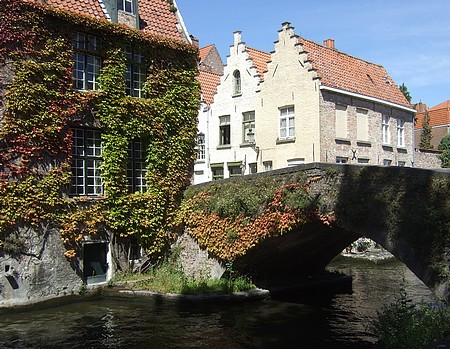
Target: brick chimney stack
[[329, 43], [194, 40]]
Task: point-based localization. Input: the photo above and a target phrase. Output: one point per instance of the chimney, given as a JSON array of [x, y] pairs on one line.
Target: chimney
[[329, 43], [194, 40]]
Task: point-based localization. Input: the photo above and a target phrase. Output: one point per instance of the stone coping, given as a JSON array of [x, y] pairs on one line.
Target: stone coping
[[255, 294]]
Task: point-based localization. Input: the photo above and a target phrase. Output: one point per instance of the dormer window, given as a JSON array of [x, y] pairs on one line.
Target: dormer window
[[125, 5], [237, 82]]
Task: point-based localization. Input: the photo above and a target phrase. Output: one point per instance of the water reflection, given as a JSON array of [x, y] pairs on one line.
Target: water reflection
[[337, 321]]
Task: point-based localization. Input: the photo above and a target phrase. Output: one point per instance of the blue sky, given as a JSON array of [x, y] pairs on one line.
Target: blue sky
[[411, 39]]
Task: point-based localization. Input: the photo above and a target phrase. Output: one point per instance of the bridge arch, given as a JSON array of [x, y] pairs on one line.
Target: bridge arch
[[405, 210]]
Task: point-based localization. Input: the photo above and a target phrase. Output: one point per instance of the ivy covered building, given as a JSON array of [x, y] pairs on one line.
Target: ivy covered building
[[98, 109]]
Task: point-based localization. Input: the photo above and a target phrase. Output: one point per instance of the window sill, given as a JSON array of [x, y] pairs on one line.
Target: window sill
[[285, 140], [237, 95], [225, 146], [247, 145], [387, 147], [402, 150], [199, 161], [342, 141], [364, 143]]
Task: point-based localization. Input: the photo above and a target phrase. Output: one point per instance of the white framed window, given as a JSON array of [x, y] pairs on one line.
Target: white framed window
[[248, 127], [235, 171], [341, 121], [200, 146], [135, 74], [136, 167], [267, 165], [385, 130], [341, 159], [125, 5], [295, 162], [237, 87], [400, 133], [225, 130], [86, 160], [287, 122], [362, 125], [87, 62]]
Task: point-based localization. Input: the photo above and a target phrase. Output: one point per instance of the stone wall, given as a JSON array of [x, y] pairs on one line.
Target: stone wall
[[37, 270], [424, 158], [196, 263]]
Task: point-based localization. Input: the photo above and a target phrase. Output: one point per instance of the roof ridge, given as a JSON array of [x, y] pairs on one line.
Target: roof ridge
[[252, 48]]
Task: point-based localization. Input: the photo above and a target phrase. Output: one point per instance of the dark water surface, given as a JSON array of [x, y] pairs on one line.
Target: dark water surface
[[336, 321]]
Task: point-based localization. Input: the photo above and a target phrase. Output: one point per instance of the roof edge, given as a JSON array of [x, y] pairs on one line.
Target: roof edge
[[372, 99]]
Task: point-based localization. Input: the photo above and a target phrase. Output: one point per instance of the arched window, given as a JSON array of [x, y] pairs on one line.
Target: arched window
[[237, 82]]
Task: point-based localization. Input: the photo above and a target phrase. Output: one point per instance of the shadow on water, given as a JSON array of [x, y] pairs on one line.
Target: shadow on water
[[316, 320]]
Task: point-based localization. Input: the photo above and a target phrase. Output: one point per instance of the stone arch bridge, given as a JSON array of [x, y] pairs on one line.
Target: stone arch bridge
[[405, 210]]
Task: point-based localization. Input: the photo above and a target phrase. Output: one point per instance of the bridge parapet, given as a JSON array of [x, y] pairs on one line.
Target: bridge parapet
[[326, 207]]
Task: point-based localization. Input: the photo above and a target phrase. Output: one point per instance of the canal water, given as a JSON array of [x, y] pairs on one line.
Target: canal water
[[322, 321]]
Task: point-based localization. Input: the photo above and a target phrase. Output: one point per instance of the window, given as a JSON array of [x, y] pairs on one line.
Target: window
[[225, 130], [248, 127], [125, 5], [400, 133], [200, 146], [136, 167], [235, 170], [362, 125], [385, 130], [287, 122], [217, 171], [267, 165], [341, 121], [135, 74], [87, 61], [86, 159], [341, 159], [253, 167], [295, 162], [387, 162], [363, 161], [401, 163], [237, 83]]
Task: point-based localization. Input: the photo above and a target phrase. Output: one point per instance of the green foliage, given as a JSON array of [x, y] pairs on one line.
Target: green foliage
[[403, 325], [405, 92], [41, 106], [444, 145], [425, 135]]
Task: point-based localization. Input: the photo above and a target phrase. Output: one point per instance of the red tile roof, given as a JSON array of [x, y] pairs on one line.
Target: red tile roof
[[155, 15], [344, 72], [158, 19], [208, 82], [260, 59], [204, 51], [439, 115]]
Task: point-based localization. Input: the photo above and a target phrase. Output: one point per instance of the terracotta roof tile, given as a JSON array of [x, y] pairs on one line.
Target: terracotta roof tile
[[204, 51], [208, 82], [439, 115], [342, 71], [260, 59], [155, 15], [157, 18]]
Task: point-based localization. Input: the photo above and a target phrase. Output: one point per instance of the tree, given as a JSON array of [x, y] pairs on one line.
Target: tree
[[405, 92], [444, 145], [425, 135]]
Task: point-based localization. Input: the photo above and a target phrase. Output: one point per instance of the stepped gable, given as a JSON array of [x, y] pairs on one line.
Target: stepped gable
[[260, 59], [439, 115], [208, 82], [344, 72]]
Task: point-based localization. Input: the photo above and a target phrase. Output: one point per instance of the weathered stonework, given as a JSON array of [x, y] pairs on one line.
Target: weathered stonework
[[197, 263], [37, 271], [427, 159]]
